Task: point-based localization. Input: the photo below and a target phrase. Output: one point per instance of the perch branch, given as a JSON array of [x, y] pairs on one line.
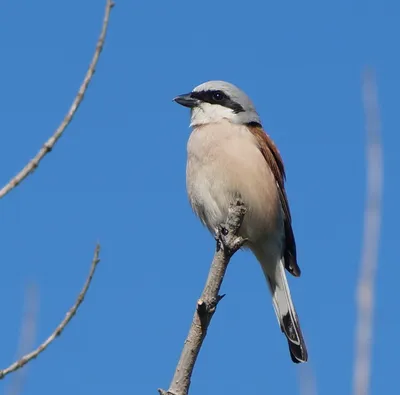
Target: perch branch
[[369, 260], [49, 144], [57, 332], [228, 242]]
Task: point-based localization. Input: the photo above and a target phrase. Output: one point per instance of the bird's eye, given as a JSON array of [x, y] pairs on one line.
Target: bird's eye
[[218, 96]]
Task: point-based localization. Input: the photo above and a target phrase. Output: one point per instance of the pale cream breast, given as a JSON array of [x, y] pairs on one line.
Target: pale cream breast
[[224, 162]]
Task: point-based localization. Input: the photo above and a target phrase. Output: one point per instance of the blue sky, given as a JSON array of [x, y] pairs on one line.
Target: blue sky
[[118, 177]]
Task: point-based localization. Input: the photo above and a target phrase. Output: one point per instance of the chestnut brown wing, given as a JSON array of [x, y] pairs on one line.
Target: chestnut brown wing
[[275, 162]]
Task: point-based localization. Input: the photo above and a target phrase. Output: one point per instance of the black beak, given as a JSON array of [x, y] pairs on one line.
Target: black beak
[[186, 100]]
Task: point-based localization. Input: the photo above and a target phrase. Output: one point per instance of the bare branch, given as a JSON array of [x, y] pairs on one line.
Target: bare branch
[[228, 242], [369, 262], [57, 332], [49, 144]]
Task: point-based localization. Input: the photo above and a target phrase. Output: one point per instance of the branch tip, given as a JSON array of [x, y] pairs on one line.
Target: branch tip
[[50, 143], [220, 297], [60, 328]]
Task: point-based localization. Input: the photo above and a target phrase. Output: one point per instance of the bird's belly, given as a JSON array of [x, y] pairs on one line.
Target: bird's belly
[[236, 170]]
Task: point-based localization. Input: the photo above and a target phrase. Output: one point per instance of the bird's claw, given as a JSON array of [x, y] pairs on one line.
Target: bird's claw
[[220, 236]]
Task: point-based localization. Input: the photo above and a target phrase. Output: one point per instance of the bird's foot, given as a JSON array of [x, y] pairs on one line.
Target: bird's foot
[[226, 241], [220, 237]]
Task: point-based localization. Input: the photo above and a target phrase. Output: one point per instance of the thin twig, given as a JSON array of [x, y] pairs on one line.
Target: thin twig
[[49, 144], [369, 262], [27, 336], [228, 242], [57, 332]]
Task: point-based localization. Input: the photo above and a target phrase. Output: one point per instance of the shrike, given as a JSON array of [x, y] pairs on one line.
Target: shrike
[[230, 156]]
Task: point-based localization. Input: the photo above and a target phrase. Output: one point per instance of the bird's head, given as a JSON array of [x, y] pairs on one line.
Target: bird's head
[[214, 101]]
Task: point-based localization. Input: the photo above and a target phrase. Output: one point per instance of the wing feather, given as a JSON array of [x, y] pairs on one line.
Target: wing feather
[[275, 162]]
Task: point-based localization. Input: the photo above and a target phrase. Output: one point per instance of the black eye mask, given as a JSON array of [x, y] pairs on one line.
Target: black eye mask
[[218, 97]]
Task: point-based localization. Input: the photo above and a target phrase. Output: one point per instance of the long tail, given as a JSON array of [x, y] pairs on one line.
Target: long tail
[[284, 309]]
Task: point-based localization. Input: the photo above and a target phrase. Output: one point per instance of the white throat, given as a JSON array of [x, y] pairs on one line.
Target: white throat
[[207, 113]]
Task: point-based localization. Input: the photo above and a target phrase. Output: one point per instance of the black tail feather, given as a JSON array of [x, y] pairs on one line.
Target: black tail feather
[[297, 345], [298, 353]]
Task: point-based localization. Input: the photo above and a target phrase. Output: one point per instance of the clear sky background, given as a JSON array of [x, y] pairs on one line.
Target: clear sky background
[[118, 176]]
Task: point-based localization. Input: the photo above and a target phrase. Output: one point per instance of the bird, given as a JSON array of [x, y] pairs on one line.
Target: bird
[[229, 157]]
